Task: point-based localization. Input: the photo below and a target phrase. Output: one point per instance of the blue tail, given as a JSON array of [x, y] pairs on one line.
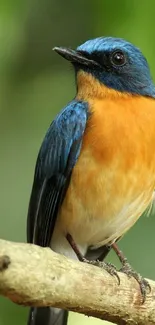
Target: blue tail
[[47, 316]]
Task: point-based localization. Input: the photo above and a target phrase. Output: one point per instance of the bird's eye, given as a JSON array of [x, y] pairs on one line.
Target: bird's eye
[[118, 58]]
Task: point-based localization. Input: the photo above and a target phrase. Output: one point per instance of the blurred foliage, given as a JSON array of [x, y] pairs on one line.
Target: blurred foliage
[[35, 84]]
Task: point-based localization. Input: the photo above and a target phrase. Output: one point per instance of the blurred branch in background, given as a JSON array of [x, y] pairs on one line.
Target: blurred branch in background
[[34, 276]]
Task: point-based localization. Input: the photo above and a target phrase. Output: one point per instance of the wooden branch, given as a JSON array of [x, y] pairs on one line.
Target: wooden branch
[[35, 276]]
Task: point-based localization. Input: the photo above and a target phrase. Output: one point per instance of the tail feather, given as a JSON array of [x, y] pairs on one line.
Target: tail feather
[[47, 316]]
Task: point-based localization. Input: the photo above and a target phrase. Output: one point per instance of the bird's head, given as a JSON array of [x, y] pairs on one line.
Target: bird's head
[[114, 62]]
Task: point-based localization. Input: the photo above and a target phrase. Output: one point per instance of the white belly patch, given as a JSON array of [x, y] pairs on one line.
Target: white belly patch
[[118, 225], [89, 230]]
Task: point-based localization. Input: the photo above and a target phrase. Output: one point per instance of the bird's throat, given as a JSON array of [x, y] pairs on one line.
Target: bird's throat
[[89, 88]]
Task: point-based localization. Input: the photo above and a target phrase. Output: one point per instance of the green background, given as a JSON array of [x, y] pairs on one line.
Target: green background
[[35, 84]]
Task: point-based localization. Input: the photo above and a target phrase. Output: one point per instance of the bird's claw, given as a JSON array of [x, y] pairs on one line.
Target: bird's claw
[[144, 284], [110, 268]]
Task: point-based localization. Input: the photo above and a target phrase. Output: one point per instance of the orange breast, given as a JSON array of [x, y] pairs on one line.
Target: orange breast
[[114, 178]]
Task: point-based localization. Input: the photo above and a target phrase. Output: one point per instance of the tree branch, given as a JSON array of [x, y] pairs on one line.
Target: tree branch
[[34, 276]]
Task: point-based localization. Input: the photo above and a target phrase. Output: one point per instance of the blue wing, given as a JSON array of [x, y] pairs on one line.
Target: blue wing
[[56, 160]]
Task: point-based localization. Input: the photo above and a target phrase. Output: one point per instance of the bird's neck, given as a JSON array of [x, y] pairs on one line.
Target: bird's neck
[[90, 88]]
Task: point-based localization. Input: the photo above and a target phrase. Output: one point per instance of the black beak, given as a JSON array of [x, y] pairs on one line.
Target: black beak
[[75, 56]]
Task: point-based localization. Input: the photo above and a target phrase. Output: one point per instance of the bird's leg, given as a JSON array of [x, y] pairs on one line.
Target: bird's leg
[[127, 269], [111, 269], [75, 248]]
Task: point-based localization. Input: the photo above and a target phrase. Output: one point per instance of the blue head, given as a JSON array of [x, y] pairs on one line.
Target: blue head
[[114, 62]]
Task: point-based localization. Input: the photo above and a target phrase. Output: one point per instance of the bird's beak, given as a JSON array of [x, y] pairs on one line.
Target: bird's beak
[[75, 56]]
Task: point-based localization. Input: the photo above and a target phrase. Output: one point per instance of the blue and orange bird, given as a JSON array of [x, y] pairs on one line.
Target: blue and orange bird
[[95, 172]]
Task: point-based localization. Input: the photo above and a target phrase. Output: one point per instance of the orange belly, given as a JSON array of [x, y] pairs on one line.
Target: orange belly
[[113, 181]]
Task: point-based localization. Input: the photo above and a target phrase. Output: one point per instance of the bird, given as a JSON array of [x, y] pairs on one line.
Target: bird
[[95, 171]]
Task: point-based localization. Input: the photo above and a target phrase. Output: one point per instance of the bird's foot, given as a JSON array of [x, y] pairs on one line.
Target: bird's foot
[[110, 268], [128, 270], [144, 285]]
